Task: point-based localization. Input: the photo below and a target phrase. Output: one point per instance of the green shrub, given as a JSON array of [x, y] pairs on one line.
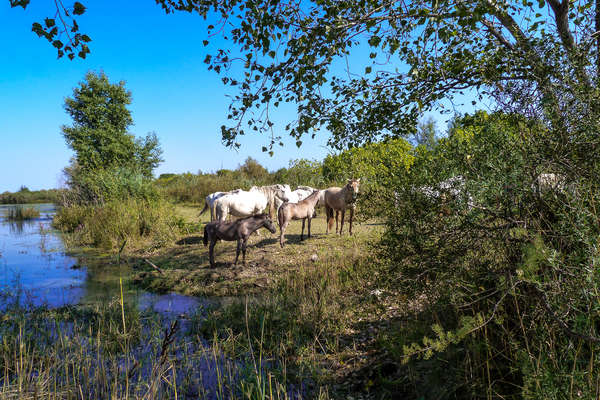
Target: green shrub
[[139, 222], [105, 185], [507, 272]]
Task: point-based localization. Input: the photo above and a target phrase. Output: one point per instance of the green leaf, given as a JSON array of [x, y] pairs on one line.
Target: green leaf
[[78, 8]]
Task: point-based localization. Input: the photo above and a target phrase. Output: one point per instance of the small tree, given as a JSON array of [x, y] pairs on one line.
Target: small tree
[[98, 135], [108, 160], [253, 170]]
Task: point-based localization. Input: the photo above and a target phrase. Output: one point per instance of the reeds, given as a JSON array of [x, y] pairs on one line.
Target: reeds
[[112, 350], [21, 213]]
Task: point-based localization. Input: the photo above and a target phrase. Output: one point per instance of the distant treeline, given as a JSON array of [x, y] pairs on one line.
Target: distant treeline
[[26, 196]]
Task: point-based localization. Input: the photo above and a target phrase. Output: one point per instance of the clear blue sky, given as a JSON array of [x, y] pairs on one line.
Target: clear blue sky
[[159, 56]]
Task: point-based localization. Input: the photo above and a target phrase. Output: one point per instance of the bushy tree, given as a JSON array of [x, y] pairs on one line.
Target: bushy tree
[[108, 161], [253, 171], [99, 134], [506, 265]]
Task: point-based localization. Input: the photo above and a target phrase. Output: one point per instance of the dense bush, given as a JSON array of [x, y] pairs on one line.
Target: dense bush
[[142, 223], [507, 269], [104, 185], [377, 164]]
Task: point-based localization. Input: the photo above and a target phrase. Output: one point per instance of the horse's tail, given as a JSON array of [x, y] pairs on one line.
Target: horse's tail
[[205, 238], [214, 211], [329, 216], [205, 207]]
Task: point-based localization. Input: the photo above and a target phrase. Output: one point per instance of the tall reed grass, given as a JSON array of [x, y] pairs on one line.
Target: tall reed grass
[[20, 213], [114, 351], [142, 223]]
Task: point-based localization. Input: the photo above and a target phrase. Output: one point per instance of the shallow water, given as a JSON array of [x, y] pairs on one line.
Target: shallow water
[[36, 270]]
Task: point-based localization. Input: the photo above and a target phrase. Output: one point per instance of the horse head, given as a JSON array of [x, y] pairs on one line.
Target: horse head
[[284, 192], [352, 188], [269, 224]]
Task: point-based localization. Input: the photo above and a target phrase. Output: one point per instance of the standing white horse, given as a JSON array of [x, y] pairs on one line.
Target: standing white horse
[[209, 202], [246, 203], [296, 196]]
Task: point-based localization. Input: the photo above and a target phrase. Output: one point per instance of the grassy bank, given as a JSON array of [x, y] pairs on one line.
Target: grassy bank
[[124, 225], [313, 305], [184, 266]]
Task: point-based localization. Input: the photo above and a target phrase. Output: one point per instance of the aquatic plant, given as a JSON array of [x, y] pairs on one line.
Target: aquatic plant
[[20, 213]]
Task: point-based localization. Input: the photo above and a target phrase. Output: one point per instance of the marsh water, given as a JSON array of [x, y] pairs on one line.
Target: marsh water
[[35, 269]]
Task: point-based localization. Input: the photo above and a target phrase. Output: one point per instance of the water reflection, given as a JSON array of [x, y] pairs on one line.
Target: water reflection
[[36, 270]]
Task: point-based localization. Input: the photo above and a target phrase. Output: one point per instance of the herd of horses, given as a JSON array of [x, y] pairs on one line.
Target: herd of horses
[[289, 205]]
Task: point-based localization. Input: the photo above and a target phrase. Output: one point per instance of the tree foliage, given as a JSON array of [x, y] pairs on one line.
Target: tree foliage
[[108, 161], [508, 270], [98, 135], [62, 25], [539, 57]]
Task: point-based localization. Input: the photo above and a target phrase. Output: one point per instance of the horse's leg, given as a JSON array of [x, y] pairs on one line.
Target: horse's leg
[[237, 251], [351, 217], [328, 218], [302, 234], [342, 222], [244, 245], [309, 219], [282, 231], [211, 251], [337, 214]]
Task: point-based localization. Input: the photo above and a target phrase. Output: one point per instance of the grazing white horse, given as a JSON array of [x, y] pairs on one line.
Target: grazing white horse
[[296, 196], [550, 182], [245, 203], [209, 202], [451, 188]]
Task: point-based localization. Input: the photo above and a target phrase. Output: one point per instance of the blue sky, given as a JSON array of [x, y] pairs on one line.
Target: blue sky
[[159, 56]]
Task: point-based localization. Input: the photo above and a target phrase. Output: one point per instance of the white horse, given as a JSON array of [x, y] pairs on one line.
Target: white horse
[[296, 196], [209, 202], [450, 189], [550, 182], [245, 203]]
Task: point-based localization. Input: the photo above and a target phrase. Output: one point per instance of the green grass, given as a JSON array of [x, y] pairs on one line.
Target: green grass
[[137, 223], [184, 265], [112, 350]]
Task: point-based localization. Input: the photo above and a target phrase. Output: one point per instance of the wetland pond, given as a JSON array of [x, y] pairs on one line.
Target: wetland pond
[[36, 269], [103, 347]]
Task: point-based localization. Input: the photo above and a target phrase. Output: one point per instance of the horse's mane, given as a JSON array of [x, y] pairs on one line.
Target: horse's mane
[[314, 193]]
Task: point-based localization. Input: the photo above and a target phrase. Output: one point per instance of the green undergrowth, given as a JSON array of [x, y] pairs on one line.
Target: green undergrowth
[[136, 223], [304, 322]]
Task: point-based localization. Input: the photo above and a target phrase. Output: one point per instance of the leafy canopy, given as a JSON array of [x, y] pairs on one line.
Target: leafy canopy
[[538, 58], [99, 136]]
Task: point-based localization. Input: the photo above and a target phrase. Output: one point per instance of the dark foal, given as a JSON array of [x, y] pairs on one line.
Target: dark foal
[[238, 230]]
